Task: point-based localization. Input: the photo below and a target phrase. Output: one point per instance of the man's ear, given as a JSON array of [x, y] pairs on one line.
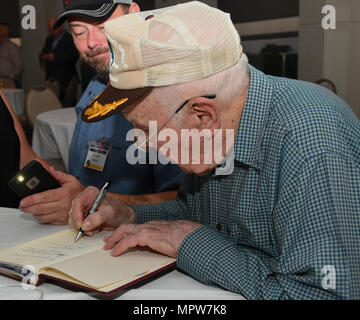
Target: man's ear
[[206, 112], [134, 7]]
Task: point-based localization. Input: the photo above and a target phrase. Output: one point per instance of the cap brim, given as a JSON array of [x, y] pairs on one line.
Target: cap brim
[[111, 101], [89, 13]]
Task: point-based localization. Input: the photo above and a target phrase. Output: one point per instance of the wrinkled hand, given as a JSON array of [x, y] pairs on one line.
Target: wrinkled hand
[[162, 236], [52, 206], [109, 215]]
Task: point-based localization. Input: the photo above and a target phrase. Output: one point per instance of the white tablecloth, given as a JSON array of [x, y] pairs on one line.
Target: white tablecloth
[[16, 98], [17, 227], [52, 134]]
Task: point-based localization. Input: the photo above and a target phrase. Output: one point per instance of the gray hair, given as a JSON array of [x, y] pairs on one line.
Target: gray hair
[[227, 85]]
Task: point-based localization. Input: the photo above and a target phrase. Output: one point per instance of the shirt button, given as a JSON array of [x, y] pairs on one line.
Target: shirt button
[[219, 227]]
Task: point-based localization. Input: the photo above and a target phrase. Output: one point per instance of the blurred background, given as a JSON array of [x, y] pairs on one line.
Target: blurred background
[[280, 37]]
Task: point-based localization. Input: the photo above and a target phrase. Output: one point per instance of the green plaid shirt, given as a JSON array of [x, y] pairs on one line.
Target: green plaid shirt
[[286, 223]]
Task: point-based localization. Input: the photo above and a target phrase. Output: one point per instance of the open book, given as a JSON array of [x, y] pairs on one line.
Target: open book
[[84, 263]]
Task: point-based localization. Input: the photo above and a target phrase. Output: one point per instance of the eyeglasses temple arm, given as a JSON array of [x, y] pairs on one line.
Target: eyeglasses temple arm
[[212, 96]]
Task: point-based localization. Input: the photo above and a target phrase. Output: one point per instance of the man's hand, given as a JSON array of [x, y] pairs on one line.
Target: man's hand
[[53, 206], [109, 215], [162, 236]]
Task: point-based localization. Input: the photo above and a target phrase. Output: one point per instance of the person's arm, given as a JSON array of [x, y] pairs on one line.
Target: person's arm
[[112, 213], [43, 54], [51, 206], [143, 198], [167, 177]]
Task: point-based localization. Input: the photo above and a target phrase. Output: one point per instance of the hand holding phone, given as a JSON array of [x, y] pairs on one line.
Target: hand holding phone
[[33, 178]]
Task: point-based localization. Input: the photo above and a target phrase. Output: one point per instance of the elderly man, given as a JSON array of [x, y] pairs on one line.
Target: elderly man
[[285, 223]]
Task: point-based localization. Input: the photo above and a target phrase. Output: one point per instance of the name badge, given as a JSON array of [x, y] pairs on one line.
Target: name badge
[[96, 159]]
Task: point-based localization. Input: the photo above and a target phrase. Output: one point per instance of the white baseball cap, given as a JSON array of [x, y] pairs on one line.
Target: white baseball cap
[[169, 46]]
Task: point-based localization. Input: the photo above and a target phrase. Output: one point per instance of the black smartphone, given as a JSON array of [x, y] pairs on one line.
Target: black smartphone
[[33, 178]]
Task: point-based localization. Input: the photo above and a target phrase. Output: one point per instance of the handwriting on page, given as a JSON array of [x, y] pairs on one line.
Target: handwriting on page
[[48, 252], [55, 248]]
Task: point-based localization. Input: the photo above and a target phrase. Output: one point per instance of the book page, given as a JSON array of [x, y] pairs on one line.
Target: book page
[[52, 249], [99, 269], [84, 262]]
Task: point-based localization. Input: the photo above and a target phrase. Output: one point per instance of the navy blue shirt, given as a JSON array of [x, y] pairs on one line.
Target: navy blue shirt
[[111, 133]]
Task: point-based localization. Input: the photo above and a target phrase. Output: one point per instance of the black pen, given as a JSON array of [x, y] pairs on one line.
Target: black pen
[[95, 206]]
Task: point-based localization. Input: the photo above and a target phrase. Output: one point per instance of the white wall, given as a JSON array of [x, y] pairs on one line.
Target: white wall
[[332, 54]]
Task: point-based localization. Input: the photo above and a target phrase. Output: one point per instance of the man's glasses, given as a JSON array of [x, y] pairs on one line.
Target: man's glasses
[[141, 147]]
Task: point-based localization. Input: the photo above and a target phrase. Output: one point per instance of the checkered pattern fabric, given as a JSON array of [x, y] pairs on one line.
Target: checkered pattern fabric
[[286, 223]]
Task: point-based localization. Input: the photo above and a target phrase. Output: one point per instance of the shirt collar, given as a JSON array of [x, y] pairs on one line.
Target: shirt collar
[[253, 120]]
